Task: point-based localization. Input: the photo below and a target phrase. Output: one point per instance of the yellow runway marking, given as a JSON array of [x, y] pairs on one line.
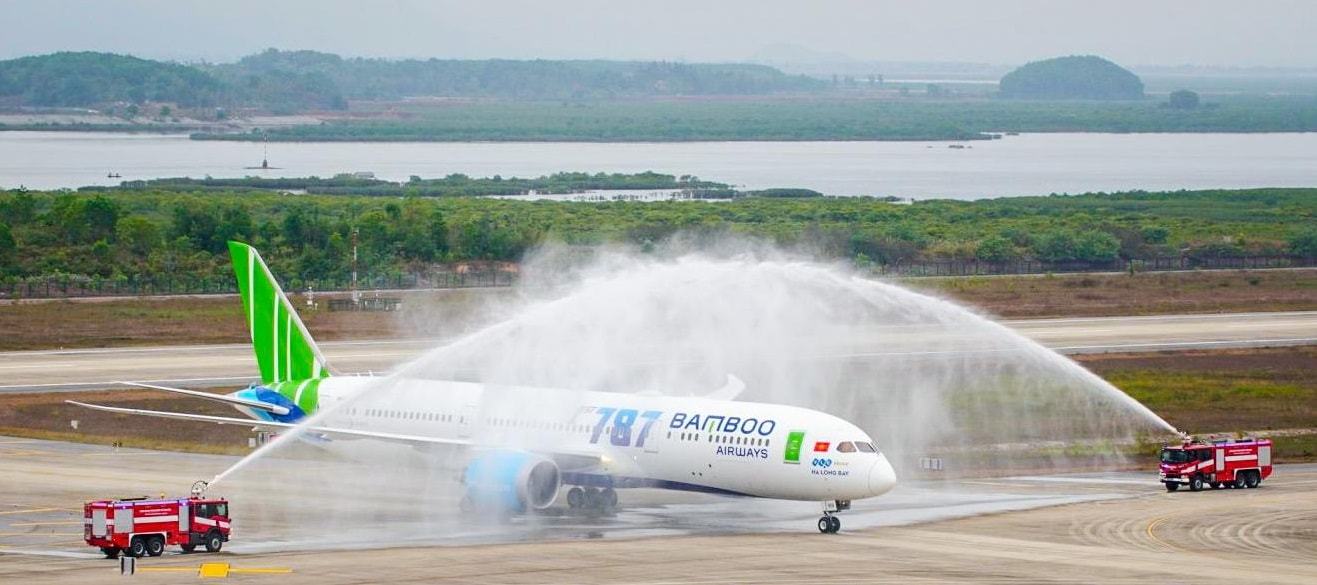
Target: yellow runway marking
[[1152, 533], [214, 570]]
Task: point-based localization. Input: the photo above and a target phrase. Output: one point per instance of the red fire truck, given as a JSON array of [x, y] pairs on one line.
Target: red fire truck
[[139, 526], [1232, 464]]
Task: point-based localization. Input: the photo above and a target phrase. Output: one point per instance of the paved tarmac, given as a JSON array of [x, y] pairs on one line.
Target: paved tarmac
[[1081, 528], [234, 365]]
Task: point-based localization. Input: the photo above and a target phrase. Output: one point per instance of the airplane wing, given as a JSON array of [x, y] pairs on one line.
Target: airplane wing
[[321, 430], [225, 398], [569, 460]]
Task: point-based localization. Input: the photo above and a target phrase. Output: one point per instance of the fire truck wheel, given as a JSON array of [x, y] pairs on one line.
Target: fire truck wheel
[[1239, 481], [1251, 479], [187, 548], [1172, 486], [213, 541], [111, 552], [1195, 484], [155, 546], [136, 547]]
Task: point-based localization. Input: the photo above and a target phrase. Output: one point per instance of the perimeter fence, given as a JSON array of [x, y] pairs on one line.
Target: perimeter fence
[[72, 286]]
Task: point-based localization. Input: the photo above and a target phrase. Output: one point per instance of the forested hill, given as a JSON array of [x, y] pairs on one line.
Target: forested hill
[[307, 80], [86, 79], [370, 79]]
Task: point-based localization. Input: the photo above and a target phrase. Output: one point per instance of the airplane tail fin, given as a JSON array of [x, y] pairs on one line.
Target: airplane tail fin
[[284, 349]]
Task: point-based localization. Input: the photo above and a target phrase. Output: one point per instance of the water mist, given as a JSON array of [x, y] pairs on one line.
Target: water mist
[[923, 376]]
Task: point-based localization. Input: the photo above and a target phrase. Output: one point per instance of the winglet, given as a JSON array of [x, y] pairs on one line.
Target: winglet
[[284, 349]]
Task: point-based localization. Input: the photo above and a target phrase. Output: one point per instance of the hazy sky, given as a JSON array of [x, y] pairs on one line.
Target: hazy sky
[[1129, 32]]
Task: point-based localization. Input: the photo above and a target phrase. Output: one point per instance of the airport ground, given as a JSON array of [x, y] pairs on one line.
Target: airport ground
[[1110, 528], [1120, 527]]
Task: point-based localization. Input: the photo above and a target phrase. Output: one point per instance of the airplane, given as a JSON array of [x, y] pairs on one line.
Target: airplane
[[594, 442]]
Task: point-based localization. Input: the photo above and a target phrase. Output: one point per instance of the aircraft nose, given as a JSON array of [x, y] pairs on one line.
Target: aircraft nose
[[882, 478]]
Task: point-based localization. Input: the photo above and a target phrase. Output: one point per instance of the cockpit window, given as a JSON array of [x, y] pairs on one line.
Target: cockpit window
[[847, 447], [865, 447]]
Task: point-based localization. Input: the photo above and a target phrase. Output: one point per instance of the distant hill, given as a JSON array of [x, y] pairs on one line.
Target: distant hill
[[374, 79], [1074, 77], [86, 79], [287, 81]]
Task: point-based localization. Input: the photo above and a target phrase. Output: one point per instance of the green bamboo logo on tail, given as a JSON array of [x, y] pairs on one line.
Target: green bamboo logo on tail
[[284, 349]]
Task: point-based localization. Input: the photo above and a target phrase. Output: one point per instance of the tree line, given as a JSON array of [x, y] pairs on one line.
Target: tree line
[[290, 81], [139, 234]]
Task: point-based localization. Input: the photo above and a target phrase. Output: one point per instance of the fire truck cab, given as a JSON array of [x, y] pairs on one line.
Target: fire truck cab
[[1231, 464], [139, 526]]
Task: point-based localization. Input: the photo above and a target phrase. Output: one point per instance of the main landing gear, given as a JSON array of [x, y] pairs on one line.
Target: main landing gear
[[592, 500], [830, 524]]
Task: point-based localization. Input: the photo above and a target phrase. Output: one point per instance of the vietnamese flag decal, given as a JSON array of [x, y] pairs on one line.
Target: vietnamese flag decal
[[821, 446]]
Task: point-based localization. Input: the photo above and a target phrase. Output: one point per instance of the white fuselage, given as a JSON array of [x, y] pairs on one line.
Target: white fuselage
[[685, 443]]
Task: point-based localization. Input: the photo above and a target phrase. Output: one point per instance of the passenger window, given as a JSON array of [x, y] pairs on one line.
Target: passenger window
[[847, 447], [865, 447]]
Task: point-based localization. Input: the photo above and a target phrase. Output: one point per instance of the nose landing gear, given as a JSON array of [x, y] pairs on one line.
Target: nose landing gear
[[830, 524]]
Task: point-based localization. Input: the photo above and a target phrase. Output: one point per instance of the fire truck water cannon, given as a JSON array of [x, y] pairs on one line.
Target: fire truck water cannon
[[138, 527], [1219, 463]]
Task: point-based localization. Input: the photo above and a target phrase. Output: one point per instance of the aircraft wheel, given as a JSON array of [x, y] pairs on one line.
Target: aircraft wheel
[[155, 546], [111, 552], [1172, 486], [575, 497], [834, 524], [214, 542], [1216, 485], [187, 548], [825, 525], [592, 498], [608, 498], [1252, 479]]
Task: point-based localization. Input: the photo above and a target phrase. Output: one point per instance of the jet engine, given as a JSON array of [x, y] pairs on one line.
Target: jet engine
[[515, 481]]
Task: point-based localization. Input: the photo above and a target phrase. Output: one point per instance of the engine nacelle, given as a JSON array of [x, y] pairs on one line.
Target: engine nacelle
[[512, 480]]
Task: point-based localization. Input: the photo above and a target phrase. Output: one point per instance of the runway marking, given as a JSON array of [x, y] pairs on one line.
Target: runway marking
[[214, 570], [32, 510], [1152, 533], [39, 366], [111, 383], [46, 523], [23, 452], [40, 534], [16, 550]]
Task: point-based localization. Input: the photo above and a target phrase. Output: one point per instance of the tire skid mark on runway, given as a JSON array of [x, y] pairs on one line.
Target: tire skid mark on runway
[[1078, 556]]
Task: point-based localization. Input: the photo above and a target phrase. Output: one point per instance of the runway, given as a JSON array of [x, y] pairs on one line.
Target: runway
[[1083, 528], [233, 364]]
